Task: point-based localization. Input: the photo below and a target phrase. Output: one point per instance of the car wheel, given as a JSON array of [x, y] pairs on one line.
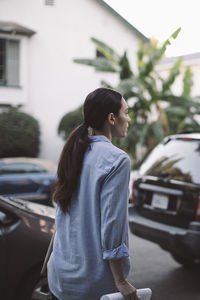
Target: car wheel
[[186, 262]]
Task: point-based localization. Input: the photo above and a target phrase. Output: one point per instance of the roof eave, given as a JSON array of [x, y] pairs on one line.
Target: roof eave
[[130, 26], [14, 28]]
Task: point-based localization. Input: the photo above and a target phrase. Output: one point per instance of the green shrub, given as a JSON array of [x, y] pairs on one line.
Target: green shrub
[[19, 134], [70, 121]]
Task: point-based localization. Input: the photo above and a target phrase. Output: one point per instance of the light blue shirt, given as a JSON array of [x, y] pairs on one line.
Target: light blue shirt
[[96, 228]]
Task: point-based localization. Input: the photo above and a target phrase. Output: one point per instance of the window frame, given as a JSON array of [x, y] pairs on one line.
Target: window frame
[[6, 63], [3, 65]]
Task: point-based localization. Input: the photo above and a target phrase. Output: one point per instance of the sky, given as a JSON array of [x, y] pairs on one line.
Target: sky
[[160, 18]]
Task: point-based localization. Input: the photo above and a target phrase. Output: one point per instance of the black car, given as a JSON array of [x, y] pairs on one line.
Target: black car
[[25, 232], [166, 198]]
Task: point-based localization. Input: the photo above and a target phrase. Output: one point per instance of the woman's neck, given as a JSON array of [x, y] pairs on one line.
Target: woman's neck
[[107, 133]]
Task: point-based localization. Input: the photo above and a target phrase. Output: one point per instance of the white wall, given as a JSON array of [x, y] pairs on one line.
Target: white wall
[[53, 84], [192, 61]]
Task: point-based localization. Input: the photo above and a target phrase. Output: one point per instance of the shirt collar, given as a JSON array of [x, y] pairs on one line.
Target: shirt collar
[[99, 138]]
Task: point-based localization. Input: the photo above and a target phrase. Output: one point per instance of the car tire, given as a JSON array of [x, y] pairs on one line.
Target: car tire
[[186, 262], [35, 288]]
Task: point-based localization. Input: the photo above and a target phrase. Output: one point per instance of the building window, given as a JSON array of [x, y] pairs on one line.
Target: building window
[[99, 54], [49, 2], [9, 62]]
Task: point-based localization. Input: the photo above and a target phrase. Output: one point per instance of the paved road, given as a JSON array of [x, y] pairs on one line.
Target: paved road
[[153, 267]]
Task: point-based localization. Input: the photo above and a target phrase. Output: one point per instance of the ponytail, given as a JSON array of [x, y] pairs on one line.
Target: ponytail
[[70, 165], [97, 106]]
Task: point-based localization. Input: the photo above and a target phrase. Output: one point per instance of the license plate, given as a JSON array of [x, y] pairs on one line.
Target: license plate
[[160, 201]]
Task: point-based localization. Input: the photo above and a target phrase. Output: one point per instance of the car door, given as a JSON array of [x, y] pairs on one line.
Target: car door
[[9, 244], [20, 178], [4, 224]]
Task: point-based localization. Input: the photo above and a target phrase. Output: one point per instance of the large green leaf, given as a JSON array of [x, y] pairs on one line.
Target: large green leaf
[[176, 111], [106, 84], [157, 130], [125, 71], [176, 100], [143, 133], [149, 85], [126, 85], [107, 51], [188, 124], [174, 72], [185, 102], [140, 56], [100, 63], [187, 82], [169, 39], [156, 55], [145, 50], [69, 122]]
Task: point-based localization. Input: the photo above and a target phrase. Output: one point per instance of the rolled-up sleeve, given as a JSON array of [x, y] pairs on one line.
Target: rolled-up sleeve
[[114, 207]]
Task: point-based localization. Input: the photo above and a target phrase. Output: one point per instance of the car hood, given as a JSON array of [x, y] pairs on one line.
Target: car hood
[[33, 176], [35, 208]]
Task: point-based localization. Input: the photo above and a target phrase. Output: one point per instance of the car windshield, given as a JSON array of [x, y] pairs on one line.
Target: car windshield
[[19, 168], [177, 159]]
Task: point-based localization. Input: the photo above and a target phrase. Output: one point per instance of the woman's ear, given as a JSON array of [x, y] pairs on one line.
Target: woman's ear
[[111, 119]]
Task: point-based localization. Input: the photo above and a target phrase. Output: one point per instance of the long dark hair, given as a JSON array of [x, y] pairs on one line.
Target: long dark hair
[[97, 106]]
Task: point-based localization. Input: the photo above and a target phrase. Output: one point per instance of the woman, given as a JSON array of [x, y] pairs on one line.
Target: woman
[[90, 255]]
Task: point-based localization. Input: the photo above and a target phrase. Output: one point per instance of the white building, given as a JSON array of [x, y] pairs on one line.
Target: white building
[[39, 40], [190, 60]]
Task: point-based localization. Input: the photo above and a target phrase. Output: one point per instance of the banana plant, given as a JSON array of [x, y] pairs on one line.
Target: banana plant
[[187, 83], [146, 92]]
